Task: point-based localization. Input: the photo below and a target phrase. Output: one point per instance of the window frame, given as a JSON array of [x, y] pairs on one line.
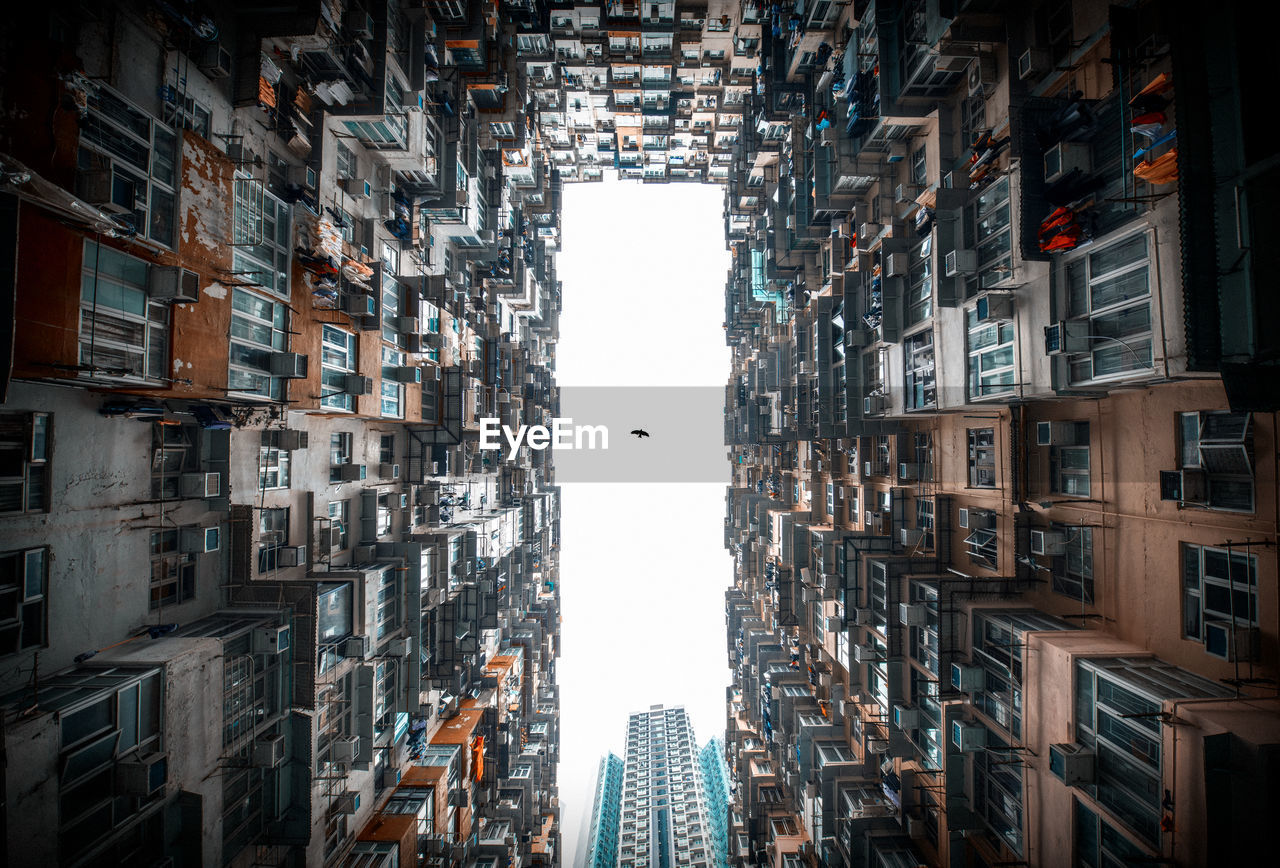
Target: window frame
[[99, 282], [29, 452], [1083, 309], [24, 598]]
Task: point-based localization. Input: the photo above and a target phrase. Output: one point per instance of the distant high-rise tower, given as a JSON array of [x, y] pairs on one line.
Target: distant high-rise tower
[[664, 817], [602, 836], [716, 794]]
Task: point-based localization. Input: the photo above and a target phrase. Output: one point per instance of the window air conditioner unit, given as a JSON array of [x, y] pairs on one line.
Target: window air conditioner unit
[[982, 74], [408, 324], [910, 536], [400, 647], [414, 344], [903, 194], [872, 404], [1056, 434], [173, 284], [905, 717], [201, 484], [291, 366], [352, 472], [968, 678], [858, 337], [913, 614], [864, 653], [359, 24], [389, 471], [968, 737], [357, 384], [201, 540], [962, 518], [1033, 63], [867, 232], [271, 640], [960, 262], [142, 776], [1234, 643], [346, 749], [357, 188], [896, 265], [268, 753], [1066, 337], [1072, 764], [1064, 157], [360, 303], [299, 176], [908, 470], [1048, 542], [347, 802], [214, 60], [860, 616], [1184, 486], [355, 646], [101, 187], [364, 554], [291, 556], [407, 374], [993, 307]]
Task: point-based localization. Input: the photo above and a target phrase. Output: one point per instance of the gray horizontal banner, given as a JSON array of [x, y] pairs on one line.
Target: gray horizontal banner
[[684, 427]]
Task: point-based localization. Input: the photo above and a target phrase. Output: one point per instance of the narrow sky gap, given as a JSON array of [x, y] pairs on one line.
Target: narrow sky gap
[[642, 565]]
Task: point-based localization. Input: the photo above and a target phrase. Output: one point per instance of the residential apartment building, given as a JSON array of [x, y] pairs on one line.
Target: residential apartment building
[[660, 812], [1001, 427], [602, 833], [266, 601], [1002, 498]]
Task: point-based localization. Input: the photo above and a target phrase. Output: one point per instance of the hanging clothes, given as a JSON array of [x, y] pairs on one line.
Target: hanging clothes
[[1162, 170]]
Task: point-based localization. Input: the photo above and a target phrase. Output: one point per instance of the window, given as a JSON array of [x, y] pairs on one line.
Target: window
[[997, 797], [345, 162], [1217, 585], [1073, 568], [919, 284], [339, 454], [123, 334], [24, 462], [924, 520], [1111, 290], [173, 452], [1219, 445], [273, 468], [987, 231], [1123, 728], [257, 331], [142, 157], [24, 586], [114, 722], [991, 370], [173, 572], [919, 172], [982, 458], [262, 233], [392, 306], [1069, 465], [195, 116], [982, 541], [1099, 844], [273, 534], [339, 520], [392, 391], [921, 392], [387, 448], [337, 362]]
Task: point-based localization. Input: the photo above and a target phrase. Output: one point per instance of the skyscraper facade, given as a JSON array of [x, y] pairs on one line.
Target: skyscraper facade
[[664, 818], [716, 793], [602, 834]]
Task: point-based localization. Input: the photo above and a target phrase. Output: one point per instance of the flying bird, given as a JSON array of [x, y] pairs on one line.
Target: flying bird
[[640, 432]]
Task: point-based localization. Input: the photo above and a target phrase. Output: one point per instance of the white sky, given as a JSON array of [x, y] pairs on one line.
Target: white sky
[[642, 566]]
